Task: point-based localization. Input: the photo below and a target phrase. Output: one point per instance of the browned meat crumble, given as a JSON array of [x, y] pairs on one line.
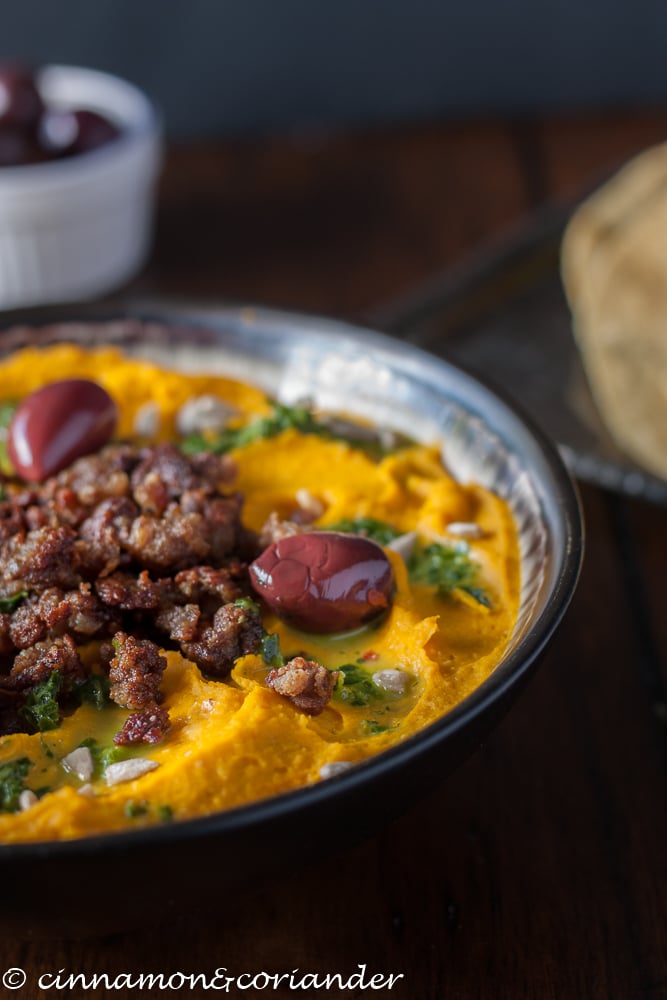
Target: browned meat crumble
[[233, 632], [306, 683], [36, 664], [135, 672], [135, 547], [149, 726]]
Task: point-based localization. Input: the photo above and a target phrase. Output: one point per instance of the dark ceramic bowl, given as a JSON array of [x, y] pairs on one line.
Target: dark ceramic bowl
[[342, 368]]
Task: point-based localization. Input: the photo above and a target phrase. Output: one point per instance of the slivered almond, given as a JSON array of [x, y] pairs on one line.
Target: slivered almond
[[395, 681], [128, 770], [465, 529], [334, 768], [203, 413], [27, 799], [79, 762]]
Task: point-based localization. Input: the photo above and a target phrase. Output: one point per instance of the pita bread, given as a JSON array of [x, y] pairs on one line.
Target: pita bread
[[614, 268]]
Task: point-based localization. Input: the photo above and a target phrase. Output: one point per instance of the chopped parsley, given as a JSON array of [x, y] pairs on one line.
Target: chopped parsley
[[355, 686], [479, 595], [247, 604], [281, 418], [270, 650], [41, 710], [9, 604], [136, 809], [94, 690], [371, 528], [103, 756], [133, 810], [108, 755], [373, 728], [12, 782], [447, 568], [6, 413], [48, 752]]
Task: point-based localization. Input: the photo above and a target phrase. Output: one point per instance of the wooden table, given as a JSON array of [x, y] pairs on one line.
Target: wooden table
[[539, 870]]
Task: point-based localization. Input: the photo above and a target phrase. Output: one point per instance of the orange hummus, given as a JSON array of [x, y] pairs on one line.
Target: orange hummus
[[236, 741]]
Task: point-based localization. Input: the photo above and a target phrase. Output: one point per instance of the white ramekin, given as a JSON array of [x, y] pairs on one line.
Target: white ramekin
[[76, 228]]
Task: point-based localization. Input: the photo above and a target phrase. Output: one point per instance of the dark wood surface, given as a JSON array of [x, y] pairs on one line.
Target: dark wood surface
[[538, 870]]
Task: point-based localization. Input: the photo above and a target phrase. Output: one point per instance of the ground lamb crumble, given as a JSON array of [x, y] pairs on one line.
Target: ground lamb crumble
[[139, 549]]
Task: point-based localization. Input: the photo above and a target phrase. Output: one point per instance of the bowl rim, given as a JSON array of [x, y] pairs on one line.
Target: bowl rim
[[513, 669]]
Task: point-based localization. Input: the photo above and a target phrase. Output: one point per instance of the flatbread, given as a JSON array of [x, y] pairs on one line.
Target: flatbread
[[614, 269]]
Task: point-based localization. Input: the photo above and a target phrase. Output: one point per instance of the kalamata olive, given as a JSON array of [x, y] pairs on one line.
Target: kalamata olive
[[58, 423], [57, 131], [20, 101], [18, 147], [324, 581], [93, 130], [70, 132]]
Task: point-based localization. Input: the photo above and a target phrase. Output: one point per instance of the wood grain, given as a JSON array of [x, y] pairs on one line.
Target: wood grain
[[332, 224]]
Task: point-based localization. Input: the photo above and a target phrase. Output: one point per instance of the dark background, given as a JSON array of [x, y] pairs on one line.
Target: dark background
[[219, 67]]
